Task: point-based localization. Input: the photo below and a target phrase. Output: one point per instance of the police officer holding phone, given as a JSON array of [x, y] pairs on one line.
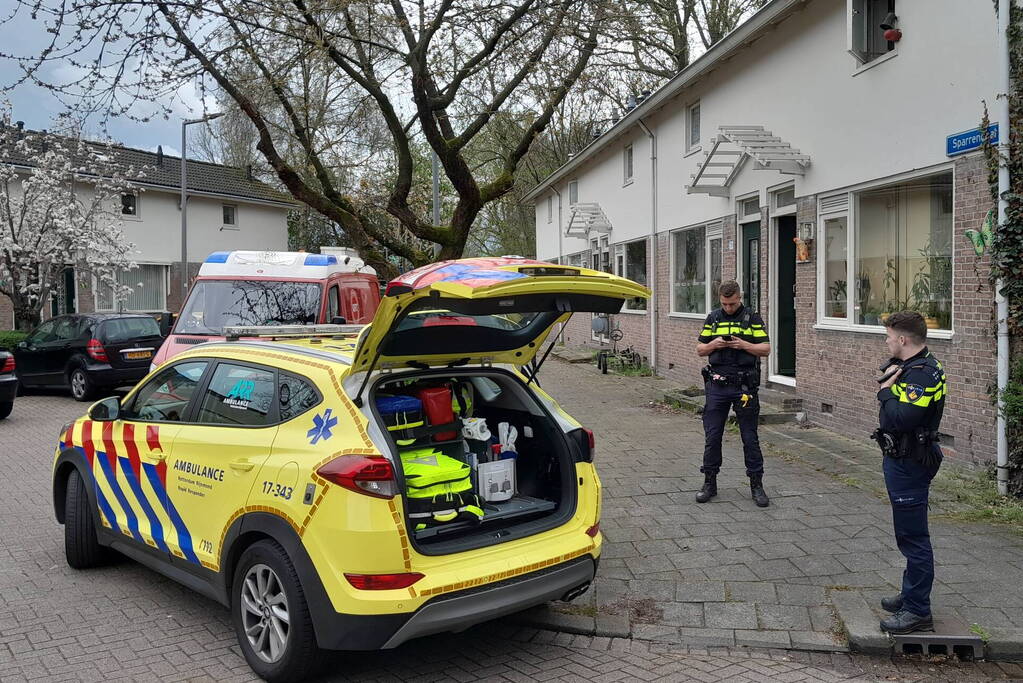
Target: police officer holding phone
[[733, 340], [912, 401]]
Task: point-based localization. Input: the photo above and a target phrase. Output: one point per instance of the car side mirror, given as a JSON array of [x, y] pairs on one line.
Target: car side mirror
[[107, 410], [338, 320], [23, 345]]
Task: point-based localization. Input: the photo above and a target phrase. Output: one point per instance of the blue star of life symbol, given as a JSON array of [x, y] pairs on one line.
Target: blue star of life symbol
[[322, 424]]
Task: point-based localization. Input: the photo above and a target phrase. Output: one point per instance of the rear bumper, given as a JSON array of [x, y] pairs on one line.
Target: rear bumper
[[8, 388], [109, 376], [454, 611]]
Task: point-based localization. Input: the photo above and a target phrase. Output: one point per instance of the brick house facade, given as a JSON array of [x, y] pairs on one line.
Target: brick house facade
[[883, 193]]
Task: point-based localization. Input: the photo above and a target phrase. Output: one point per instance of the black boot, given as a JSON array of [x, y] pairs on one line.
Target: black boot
[[709, 490], [892, 604], [903, 622], [756, 487]]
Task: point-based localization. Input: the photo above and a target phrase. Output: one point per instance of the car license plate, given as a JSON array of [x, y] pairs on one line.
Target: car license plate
[[138, 355]]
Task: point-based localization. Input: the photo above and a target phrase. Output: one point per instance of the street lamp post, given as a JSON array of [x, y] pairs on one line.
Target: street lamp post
[[184, 202]]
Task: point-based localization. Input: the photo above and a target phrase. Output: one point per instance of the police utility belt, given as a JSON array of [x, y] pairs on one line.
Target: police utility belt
[[916, 445], [747, 380]]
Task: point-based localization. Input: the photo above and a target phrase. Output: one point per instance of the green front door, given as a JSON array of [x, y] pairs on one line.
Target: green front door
[[784, 305], [751, 264], [62, 297]]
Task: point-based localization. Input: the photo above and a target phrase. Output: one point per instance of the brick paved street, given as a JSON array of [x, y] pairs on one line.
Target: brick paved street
[[125, 622]]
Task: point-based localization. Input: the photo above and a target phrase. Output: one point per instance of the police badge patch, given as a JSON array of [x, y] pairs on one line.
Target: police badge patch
[[914, 391]]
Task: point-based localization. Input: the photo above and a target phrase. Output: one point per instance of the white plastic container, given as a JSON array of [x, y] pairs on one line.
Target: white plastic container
[[496, 480]]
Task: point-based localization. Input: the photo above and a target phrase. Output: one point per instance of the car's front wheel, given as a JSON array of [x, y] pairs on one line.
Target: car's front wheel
[[81, 547], [82, 387], [5, 408], [271, 616]]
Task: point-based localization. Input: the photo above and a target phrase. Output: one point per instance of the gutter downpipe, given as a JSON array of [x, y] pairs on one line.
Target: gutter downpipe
[[561, 258], [1001, 303], [652, 307]]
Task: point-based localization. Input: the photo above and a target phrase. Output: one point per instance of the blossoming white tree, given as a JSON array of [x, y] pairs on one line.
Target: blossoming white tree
[[60, 201]]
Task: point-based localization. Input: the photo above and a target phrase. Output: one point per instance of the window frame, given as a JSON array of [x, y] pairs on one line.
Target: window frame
[[628, 165], [859, 52], [692, 146], [621, 267], [280, 374], [573, 192], [117, 302], [233, 225], [850, 212], [137, 216], [550, 208], [273, 415], [189, 411], [712, 231]]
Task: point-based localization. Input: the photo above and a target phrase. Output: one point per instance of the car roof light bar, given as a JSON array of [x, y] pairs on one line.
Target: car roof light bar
[[235, 332]]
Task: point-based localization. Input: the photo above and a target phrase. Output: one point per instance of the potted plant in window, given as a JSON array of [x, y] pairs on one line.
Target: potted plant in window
[[932, 285], [863, 287], [889, 306], [837, 296]]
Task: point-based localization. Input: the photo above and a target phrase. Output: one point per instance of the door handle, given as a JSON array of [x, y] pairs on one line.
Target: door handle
[[242, 465], [155, 455]]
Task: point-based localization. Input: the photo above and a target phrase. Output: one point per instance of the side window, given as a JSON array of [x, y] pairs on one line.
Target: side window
[[333, 303], [43, 333], [67, 329], [295, 395], [165, 397], [238, 395]]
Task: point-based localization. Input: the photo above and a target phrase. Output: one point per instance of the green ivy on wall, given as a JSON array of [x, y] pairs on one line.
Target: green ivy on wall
[[1007, 246]]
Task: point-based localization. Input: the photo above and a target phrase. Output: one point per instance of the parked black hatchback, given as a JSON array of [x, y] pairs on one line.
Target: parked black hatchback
[[88, 352]]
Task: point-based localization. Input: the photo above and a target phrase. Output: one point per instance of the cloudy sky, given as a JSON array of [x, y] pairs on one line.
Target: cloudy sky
[[39, 108]]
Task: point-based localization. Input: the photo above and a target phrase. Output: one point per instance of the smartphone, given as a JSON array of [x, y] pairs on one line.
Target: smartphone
[[726, 337], [888, 369]]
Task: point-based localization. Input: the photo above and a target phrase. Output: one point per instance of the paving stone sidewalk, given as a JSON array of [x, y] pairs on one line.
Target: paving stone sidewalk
[[729, 573]]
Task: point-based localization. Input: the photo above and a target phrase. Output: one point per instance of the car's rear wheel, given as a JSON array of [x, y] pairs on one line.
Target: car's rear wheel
[[5, 408], [81, 547], [82, 387], [271, 616]]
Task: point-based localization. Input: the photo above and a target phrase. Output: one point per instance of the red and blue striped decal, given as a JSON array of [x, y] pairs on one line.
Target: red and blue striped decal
[[132, 468], [184, 538]]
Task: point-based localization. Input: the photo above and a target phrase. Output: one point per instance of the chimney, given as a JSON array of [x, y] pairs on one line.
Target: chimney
[[159, 155], [248, 171], [20, 125], [631, 104], [45, 143]]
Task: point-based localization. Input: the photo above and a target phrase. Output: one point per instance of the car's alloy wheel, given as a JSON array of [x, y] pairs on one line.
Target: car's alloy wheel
[[264, 613], [81, 387], [271, 616]]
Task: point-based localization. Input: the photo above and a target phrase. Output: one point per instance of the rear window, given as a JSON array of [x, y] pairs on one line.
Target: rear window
[[123, 329]]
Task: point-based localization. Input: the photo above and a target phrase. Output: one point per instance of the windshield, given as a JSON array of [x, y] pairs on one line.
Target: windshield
[[216, 304]]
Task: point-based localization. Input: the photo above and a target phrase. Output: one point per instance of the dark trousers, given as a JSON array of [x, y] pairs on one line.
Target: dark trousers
[[720, 399], [908, 482]]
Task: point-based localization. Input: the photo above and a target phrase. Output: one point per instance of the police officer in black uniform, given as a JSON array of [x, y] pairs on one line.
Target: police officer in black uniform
[[735, 340], [912, 398]]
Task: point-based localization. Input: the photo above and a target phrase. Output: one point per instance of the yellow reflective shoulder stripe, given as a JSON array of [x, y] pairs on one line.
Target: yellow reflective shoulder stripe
[[759, 333]]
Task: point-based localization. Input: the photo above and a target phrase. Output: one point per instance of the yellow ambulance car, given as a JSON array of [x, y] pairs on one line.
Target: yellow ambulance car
[[269, 473]]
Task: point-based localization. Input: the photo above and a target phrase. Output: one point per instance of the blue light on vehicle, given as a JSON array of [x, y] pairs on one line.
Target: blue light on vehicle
[[320, 260], [218, 257]]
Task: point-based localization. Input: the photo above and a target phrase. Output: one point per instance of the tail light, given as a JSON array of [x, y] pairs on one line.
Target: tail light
[[8, 365], [593, 530], [96, 351], [593, 443], [369, 476], [382, 582]]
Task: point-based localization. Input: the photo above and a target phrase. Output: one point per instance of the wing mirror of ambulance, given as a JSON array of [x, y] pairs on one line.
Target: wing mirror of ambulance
[[338, 320], [107, 410]]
